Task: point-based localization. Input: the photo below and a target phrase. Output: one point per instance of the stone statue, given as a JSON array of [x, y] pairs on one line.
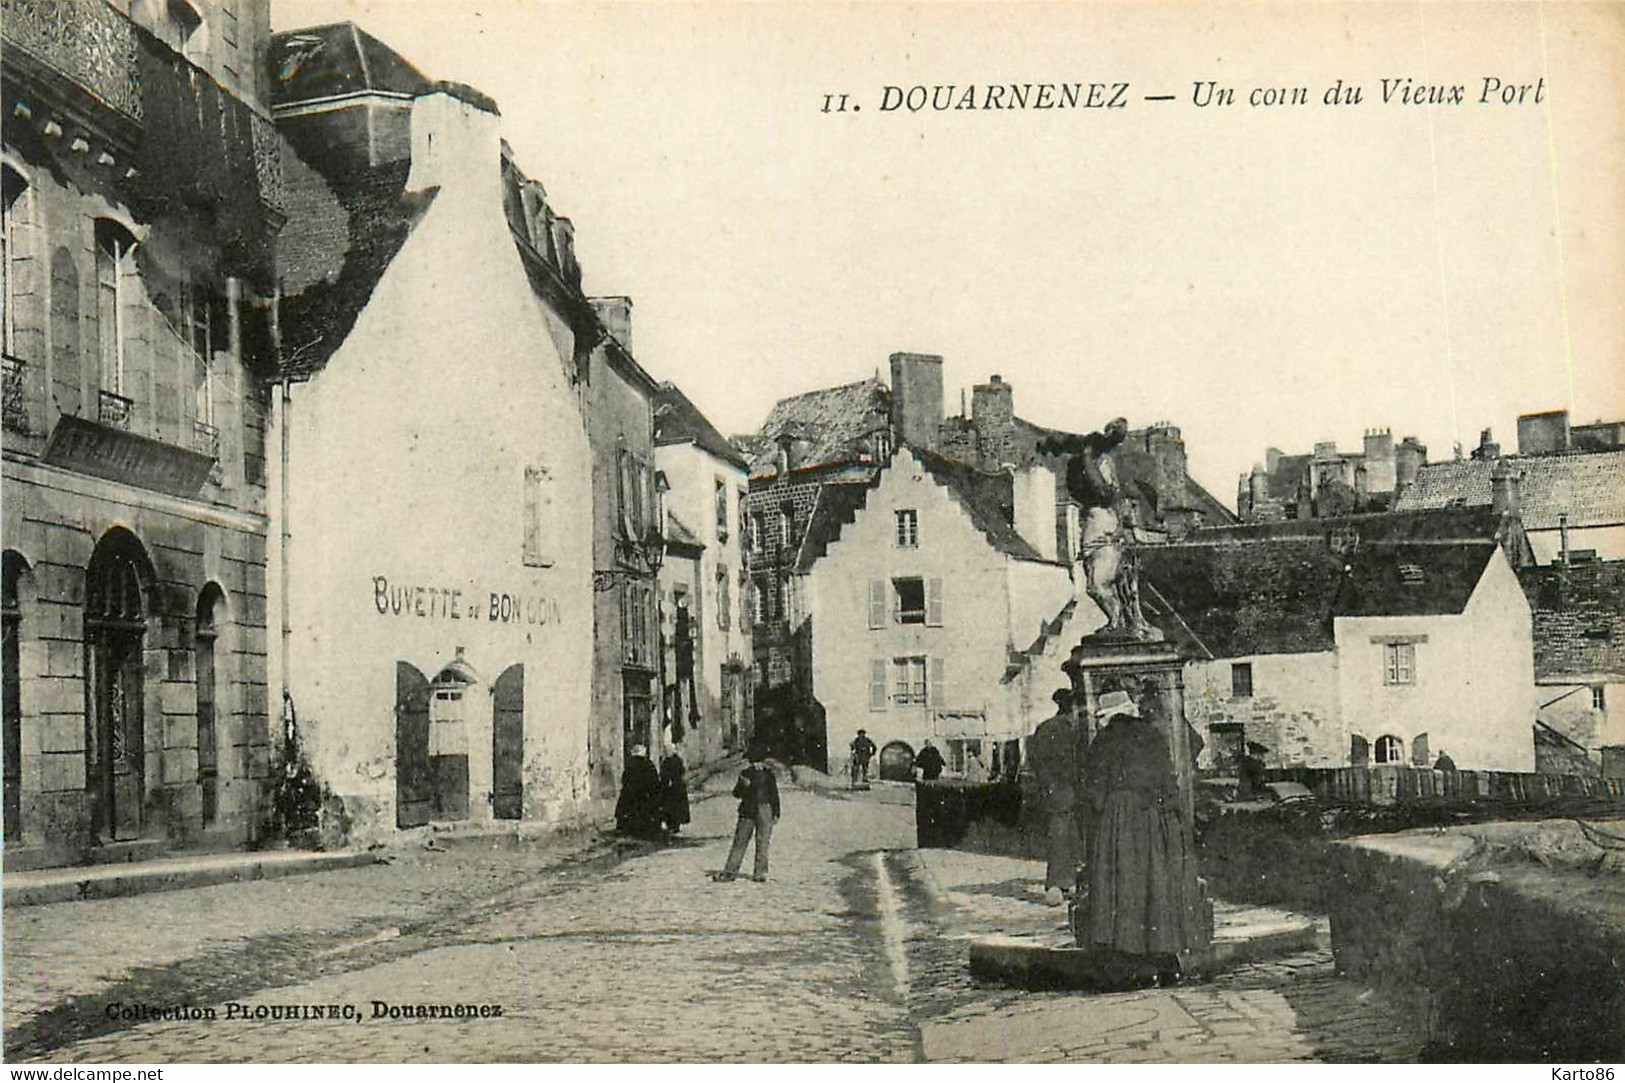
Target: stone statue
[[1106, 548]]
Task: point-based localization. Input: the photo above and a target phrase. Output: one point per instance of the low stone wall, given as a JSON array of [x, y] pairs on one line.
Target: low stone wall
[[1502, 958], [1395, 784]]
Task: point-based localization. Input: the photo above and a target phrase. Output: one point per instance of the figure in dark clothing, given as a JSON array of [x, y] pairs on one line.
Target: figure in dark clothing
[[758, 793], [637, 809], [1250, 771], [930, 762], [1145, 905], [673, 792], [863, 750], [684, 651], [1054, 753]]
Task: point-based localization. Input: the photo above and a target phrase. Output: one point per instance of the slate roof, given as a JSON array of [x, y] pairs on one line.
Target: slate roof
[[679, 536], [1588, 487], [836, 421], [1249, 598], [329, 61], [1579, 620], [683, 423], [379, 218], [1274, 588], [988, 499]]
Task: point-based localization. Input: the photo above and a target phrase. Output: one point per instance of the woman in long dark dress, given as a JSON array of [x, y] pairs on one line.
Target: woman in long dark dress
[[673, 791], [1145, 907], [637, 809]]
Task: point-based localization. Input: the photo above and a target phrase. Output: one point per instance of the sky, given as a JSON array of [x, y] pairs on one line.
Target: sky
[[1258, 275]]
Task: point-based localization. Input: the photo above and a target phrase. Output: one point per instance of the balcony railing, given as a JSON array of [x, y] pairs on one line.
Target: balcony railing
[[16, 402], [114, 410], [205, 439], [85, 40]]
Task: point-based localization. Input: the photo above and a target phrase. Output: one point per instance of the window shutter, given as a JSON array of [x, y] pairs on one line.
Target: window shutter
[[933, 603], [724, 607], [935, 687], [877, 684], [877, 603]]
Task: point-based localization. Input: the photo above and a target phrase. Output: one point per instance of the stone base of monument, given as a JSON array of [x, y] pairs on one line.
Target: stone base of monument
[[1054, 961]]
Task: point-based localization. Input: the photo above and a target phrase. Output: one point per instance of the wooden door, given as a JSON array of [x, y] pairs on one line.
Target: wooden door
[[508, 744], [414, 784], [120, 732]]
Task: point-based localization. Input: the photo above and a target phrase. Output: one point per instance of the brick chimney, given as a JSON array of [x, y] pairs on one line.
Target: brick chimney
[[616, 315], [1504, 496], [916, 398], [1487, 448]]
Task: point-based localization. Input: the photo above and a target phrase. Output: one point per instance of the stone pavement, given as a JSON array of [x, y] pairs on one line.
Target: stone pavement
[[643, 959], [855, 950]]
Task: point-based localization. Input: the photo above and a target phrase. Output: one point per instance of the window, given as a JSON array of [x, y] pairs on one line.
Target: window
[[786, 522], [908, 528], [724, 606], [1399, 663], [1599, 700], [740, 496], [882, 443], [538, 507], [908, 681], [908, 601], [114, 266], [637, 626], [208, 748], [12, 190], [753, 532], [1388, 749], [1241, 680], [630, 495], [197, 325], [722, 510]]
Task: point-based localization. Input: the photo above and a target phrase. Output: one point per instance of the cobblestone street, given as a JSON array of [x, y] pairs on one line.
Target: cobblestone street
[[613, 953]]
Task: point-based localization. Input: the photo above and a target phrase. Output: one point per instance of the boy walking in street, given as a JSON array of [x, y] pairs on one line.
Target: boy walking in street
[[758, 793]]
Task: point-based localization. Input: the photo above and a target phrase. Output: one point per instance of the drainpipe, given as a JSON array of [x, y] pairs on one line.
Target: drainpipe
[[284, 535], [1563, 535]]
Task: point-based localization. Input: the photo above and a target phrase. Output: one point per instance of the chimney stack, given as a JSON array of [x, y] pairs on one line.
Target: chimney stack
[[1487, 447], [992, 411], [916, 398], [616, 315], [1543, 433], [1032, 494], [1504, 496]]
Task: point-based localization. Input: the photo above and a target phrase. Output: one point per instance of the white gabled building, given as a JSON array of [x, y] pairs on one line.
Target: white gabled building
[[932, 604], [431, 472]]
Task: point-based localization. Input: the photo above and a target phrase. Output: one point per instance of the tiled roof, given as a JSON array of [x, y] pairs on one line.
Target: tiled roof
[[1588, 487], [836, 423], [378, 218], [681, 422], [318, 62], [1579, 619]]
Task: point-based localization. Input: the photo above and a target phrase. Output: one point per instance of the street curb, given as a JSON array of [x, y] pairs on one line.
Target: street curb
[[109, 882]]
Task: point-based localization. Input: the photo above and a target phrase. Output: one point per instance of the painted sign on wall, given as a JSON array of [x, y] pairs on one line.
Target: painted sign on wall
[[442, 602]]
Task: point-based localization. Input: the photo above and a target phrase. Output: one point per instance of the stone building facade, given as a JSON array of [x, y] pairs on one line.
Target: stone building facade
[[142, 193]]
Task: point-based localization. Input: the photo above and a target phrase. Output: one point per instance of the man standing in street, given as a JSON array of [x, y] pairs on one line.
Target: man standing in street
[[758, 793], [929, 762], [1053, 755], [863, 750]]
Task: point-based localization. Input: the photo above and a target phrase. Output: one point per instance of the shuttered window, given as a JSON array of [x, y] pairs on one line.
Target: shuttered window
[[877, 603], [877, 684], [933, 603], [939, 684]]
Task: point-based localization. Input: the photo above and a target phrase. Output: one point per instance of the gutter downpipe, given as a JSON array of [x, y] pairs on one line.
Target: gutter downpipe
[[284, 534]]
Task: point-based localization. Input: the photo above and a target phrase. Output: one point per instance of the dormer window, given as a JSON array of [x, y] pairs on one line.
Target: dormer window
[[1412, 575]]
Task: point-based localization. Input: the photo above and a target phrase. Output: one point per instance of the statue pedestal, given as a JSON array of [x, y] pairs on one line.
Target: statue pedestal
[[1153, 674]]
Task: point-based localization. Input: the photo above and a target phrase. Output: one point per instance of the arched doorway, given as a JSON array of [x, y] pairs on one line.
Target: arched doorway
[[508, 744], [210, 611], [116, 586], [448, 743], [897, 762]]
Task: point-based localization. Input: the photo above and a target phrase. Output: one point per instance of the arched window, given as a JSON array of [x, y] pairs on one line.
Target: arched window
[[115, 264], [12, 187], [210, 608], [197, 328], [11, 619], [448, 742], [115, 631], [1388, 750]]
